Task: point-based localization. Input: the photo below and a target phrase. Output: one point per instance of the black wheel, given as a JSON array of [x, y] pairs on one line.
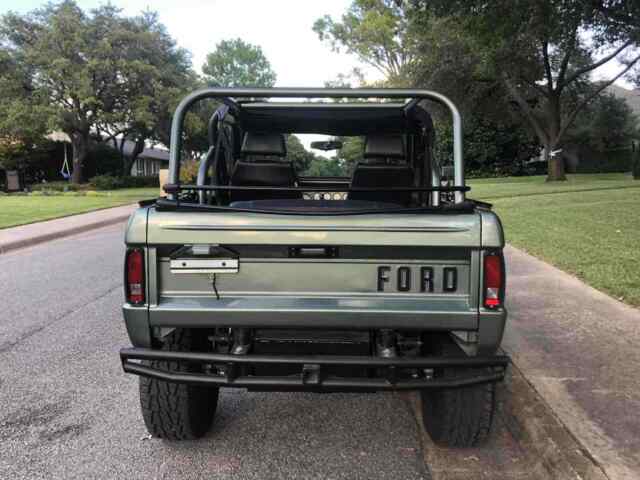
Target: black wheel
[[173, 411], [458, 417]]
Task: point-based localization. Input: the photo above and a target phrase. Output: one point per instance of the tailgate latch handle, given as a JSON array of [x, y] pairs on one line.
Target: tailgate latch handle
[[313, 252]]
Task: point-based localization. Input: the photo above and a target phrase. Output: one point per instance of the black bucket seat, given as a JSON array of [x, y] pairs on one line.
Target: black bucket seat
[[385, 167], [262, 165]]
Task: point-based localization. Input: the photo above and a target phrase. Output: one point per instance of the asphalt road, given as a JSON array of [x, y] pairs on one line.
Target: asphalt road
[[68, 411]]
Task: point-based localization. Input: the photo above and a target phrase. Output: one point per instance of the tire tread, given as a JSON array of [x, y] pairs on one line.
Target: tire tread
[[174, 411], [459, 417]]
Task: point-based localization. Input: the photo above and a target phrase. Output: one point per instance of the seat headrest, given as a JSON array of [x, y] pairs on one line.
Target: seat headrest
[[384, 146], [264, 144]]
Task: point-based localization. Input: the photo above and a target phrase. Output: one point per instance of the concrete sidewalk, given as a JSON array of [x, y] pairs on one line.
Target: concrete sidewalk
[[580, 349], [34, 233]]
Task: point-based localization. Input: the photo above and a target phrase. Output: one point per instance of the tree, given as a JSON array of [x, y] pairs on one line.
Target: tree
[[343, 161], [23, 122], [543, 53], [300, 156], [605, 124], [326, 167], [350, 153], [490, 146], [437, 55], [145, 107], [377, 32], [236, 63], [495, 136], [95, 71], [12, 153]]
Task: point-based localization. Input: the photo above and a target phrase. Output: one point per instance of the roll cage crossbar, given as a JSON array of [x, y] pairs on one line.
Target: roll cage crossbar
[[227, 94]]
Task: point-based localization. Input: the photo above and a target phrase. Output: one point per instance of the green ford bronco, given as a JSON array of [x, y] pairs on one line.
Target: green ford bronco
[[261, 278]]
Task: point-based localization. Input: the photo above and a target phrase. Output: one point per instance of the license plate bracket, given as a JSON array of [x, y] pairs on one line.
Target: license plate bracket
[[204, 259]]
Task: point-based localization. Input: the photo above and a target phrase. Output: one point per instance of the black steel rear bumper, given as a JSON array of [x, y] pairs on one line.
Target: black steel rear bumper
[[390, 373]]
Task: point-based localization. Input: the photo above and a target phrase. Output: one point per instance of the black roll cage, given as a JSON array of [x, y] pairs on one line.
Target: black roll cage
[[429, 170]]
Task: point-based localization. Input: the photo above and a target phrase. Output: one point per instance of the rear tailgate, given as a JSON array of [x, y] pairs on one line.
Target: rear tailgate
[[351, 271]]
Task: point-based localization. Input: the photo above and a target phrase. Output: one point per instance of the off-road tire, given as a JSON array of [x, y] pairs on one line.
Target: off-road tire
[[174, 411], [458, 417]]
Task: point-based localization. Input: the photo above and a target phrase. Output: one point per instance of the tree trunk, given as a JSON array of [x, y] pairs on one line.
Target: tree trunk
[[555, 164], [127, 162], [80, 143], [123, 159]]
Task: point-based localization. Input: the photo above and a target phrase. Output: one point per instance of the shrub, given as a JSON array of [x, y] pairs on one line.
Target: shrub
[[109, 182], [57, 187], [488, 173], [189, 171], [610, 161], [48, 193], [141, 182], [106, 182]]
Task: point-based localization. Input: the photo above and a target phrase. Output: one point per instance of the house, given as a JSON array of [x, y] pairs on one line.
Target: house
[[149, 162]]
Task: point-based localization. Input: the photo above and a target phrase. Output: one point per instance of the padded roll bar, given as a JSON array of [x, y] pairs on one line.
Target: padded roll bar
[[205, 162]]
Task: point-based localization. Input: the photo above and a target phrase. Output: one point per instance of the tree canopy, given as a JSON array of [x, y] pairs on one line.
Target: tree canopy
[[300, 156], [236, 63], [438, 54], [607, 123], [377, 32], [543, 52], [508, 63], [23, 116], [95, 72]]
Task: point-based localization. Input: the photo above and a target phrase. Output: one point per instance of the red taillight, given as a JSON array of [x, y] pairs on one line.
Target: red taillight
[[493, 280], [134, 281]]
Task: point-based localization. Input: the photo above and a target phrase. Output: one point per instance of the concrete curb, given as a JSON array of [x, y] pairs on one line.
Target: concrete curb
[[62, 233]]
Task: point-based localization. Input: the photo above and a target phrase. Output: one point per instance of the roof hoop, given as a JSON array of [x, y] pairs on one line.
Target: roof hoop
[[371, 93]]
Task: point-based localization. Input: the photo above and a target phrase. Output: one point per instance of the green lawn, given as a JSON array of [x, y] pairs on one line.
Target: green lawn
[[20, 209], [588, 226]]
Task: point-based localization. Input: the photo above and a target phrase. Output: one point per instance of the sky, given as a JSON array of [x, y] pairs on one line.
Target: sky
[[282, 28]]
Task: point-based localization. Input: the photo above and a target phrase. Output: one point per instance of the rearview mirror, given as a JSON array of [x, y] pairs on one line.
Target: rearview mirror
[[327, 145]]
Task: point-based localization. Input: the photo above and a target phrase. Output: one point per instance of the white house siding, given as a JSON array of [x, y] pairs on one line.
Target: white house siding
[[146, 167]]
